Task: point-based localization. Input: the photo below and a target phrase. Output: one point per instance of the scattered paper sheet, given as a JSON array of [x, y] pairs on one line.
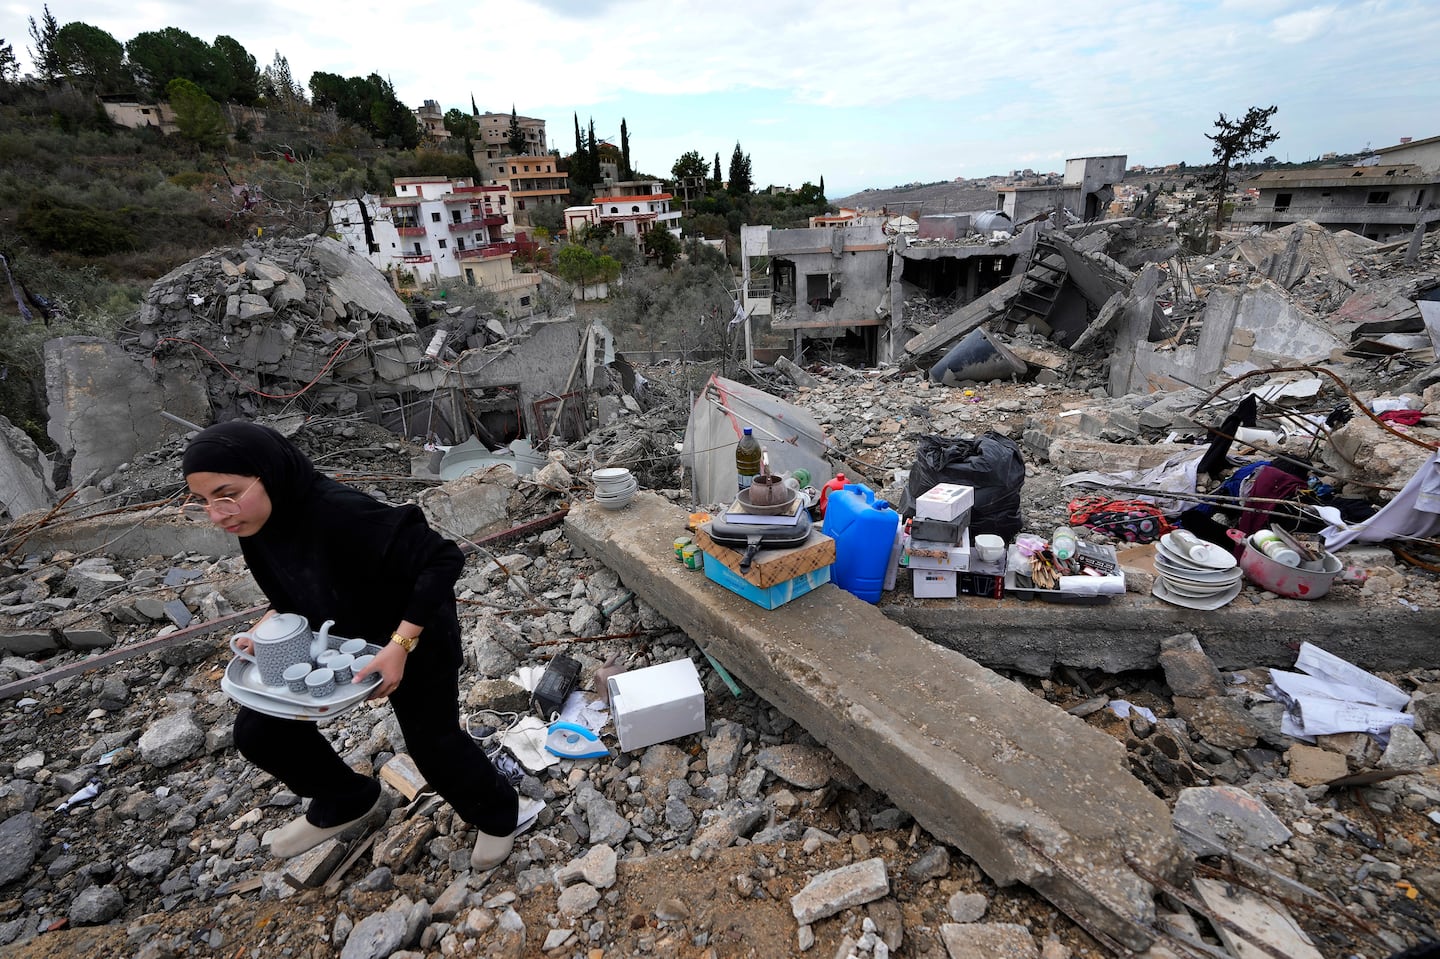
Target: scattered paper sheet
[[1334, 696], [526, 741], [579, 709], [1123, 709]]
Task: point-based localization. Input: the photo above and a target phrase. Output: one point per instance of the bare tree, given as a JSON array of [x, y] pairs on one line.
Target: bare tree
[[1235, 140]]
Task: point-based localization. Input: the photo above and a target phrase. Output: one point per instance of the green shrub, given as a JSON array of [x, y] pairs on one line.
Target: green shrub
[[86, 230]]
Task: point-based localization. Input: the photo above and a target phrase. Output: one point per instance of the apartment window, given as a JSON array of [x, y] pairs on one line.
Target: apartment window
[[524, 301], [417, 249], [502, 202], [1282, 202], [459, 243], [527, 168], [454, 216], [519, 204], [1378, 196], [470, 277], [634, 209], [345, 221], [442, 244]]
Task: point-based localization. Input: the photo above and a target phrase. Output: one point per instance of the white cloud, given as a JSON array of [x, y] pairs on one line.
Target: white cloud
[[1302, 26]]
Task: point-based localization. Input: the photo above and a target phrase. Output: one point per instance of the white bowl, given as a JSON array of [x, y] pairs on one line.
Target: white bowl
[[611, 474], [615, 503], [989, 547]]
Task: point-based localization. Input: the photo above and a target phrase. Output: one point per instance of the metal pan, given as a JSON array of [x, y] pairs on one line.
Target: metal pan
[[753, 538]]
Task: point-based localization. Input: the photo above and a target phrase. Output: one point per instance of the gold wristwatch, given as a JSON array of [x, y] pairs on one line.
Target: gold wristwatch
[[407, 643]]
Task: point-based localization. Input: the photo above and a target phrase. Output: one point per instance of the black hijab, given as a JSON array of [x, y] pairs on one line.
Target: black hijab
[[248, 449]]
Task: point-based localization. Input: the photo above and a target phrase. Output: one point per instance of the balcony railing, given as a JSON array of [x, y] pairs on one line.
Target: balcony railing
[[410, 230], [416, 258]]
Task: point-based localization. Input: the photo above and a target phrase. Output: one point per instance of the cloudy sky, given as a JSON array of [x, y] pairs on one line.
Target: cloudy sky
[[866, 94]]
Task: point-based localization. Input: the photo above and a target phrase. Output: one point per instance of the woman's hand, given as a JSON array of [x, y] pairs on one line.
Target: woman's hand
[[390, 664]]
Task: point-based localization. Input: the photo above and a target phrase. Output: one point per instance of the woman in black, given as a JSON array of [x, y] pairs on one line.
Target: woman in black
[[326, 551]]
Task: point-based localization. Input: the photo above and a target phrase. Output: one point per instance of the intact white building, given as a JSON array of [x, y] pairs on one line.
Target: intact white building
[[633, 207], [436, 228]]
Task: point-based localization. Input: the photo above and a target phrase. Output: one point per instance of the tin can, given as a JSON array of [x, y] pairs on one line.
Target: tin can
[[680, 543], [692, 556]]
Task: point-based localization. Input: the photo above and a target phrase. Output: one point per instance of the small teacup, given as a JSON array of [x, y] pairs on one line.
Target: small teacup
[[320, 682], [295, 676], [359, 665], [341, 666], [325, 656], [353, 647]]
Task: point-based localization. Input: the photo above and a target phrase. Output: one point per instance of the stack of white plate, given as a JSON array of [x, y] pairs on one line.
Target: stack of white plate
[[614, 487], [1193, 573]]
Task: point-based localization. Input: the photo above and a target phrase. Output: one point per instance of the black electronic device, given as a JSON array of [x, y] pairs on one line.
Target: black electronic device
[[560, 679]]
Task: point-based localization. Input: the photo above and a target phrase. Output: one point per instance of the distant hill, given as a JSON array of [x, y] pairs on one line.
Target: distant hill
[[945, 197]]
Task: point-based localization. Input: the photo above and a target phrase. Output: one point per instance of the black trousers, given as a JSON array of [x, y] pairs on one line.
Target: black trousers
[[427, 706]]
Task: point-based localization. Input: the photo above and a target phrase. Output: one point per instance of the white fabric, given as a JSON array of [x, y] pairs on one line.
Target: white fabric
[[1409, 515], [724, 408]]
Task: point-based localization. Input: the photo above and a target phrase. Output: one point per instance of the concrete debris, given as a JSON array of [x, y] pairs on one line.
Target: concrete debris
[[25, 473], [820, 807]]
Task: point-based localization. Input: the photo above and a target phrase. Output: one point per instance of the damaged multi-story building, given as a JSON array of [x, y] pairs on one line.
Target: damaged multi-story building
[[852, 276], [1394, 190]]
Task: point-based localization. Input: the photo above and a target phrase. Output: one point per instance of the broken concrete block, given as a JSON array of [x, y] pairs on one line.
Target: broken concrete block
[[28, 642], [262, 269], [90, 632], [1075, 454], [1214, 819], [1406, 750], [1220, 720], [839, 889], [24, 473], [1313, 766], [467, 507], [404, 844], [312, 867], [105, 405], [1188, 671], [988, 940]]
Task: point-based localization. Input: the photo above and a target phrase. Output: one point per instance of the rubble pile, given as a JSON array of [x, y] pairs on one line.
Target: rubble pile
[[670, 844], [282, 313]]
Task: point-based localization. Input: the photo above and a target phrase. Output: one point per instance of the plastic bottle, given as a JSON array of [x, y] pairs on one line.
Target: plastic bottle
[[864, 530], [838, 483], [747, 459], [1063, 543]]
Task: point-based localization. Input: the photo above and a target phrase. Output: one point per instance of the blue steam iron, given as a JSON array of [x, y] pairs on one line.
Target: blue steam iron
[[573, 741]]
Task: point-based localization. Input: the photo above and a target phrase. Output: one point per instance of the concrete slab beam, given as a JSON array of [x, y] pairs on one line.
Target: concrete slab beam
[[158, 532], [1034, 636], [1032, 794]]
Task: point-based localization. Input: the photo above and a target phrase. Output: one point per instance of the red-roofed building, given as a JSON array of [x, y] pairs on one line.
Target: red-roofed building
[[631, 207]]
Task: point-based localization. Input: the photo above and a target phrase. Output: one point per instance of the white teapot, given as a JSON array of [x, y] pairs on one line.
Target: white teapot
[[281, 641]]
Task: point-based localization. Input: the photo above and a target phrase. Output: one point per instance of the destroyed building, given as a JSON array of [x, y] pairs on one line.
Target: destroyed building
[[1394, 192]]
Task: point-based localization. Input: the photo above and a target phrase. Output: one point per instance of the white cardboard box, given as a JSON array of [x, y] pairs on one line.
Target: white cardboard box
[[935, 583], [920, 554], [657, 703], [945, 502]]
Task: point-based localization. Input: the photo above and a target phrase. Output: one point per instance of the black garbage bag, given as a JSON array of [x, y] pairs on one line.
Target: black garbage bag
[[991, 463]]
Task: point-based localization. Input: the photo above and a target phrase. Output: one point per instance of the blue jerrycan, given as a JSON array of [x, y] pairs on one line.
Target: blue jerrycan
[[864, 532]]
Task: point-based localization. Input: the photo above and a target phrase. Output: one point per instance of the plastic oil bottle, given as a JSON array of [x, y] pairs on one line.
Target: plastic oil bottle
[[864, 530], [747, 459]]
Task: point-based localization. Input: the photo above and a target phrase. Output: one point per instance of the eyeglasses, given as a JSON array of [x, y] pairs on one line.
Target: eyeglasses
[[198, 510]]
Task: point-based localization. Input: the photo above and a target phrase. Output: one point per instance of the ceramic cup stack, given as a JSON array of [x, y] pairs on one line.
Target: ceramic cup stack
[[614, 487], [1194, 573]]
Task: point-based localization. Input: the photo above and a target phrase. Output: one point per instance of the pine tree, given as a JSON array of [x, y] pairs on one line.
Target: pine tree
[[740, 173], [1236, 140], [516, 140], [716, 177], [44, 55], [822, 186], [474, 110], [593, 156], [9, 65], [625, 171]]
